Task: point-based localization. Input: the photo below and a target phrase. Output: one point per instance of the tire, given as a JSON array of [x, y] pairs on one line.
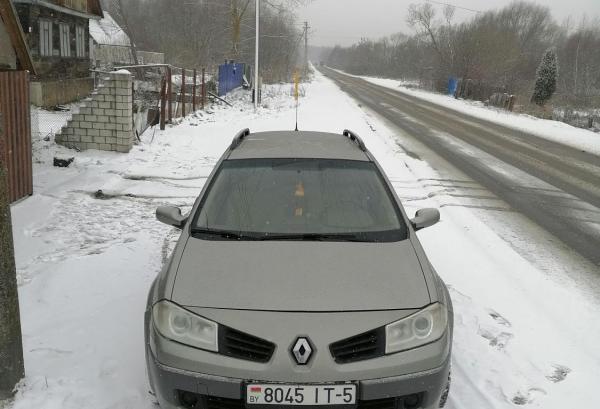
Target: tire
[[444, 397]]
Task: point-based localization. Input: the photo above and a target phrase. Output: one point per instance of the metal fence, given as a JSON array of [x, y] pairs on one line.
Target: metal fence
[[161, 94], [580, 118], [47, 122]]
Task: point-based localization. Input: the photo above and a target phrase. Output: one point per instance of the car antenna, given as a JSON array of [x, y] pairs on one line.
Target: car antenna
[[296, 94]]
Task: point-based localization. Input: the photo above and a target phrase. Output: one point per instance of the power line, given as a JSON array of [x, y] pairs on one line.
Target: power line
[[453, 6]]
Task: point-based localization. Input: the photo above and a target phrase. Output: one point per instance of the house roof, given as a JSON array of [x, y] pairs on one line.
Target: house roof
[[8, 14], [107, 31], [94, 10], [95, 7]]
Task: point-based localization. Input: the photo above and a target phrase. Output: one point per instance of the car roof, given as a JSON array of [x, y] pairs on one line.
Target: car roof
[[298, 144]]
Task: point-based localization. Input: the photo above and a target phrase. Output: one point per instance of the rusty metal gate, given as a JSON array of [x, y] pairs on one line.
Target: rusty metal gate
[[15, 132]]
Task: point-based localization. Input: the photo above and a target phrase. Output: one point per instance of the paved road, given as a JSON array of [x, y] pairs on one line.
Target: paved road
[[556, 186]]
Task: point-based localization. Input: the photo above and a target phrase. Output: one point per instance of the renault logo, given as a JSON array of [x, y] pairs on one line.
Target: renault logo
[[302, 351]]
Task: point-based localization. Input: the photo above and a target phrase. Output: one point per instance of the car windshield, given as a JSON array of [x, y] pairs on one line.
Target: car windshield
[[299, 199]]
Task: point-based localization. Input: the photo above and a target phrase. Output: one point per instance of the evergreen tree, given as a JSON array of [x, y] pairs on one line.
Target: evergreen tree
[[546, 78]]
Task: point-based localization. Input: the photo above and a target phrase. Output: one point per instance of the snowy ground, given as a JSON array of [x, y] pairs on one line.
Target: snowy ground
[[86, 260], [553, 130]]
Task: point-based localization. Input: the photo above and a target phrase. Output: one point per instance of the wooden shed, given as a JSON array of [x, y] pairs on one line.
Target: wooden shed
[[15, 122]]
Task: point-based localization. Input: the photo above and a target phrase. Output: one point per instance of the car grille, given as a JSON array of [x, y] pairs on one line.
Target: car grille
[[388, 403], [360, 347], [240, 345], [194, 401], [213, 402]]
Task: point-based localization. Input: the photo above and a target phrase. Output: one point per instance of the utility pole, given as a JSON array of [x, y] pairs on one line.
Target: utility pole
[[306, 49], [11, 346], [256, 88]]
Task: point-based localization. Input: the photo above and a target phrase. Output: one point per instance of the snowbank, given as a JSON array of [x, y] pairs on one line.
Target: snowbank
[[553, 130]]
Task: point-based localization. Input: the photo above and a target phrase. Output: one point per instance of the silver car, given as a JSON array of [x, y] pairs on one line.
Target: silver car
[[298, 280]]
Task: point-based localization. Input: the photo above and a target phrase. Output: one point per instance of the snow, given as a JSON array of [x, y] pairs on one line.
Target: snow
[[106, 31], [553, 130], [86, 260], [546, 74], [46, 123]]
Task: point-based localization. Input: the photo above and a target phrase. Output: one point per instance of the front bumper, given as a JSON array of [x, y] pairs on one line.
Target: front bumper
[[215, 392]]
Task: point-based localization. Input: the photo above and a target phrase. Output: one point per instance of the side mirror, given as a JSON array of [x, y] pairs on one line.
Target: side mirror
[[425, 218], [171, 215]]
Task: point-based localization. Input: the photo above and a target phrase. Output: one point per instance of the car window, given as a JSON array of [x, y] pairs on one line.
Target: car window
[[299, 199]]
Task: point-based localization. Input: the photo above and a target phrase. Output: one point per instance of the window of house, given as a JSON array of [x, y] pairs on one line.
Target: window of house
[[45, 38], [65, 40], [80, 41]]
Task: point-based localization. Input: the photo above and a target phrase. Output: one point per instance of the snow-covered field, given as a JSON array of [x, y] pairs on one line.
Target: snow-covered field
[[88, 248], [553, 130]]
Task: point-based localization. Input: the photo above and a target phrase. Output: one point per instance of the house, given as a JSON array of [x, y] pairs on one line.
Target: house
[[14, 53], [112, 47], [56, 32]]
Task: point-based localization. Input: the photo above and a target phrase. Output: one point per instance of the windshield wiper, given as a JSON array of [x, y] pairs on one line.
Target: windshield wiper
[[232, 235], [223, 234], [314, 237]]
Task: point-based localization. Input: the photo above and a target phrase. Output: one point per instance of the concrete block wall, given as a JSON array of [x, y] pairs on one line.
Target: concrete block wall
[[105, 120]]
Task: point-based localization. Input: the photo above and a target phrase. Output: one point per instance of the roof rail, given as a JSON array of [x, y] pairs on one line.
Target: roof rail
[[239, 138], [356, 139]]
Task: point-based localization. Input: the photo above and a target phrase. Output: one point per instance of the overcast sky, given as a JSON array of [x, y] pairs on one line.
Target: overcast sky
[[346, 21]]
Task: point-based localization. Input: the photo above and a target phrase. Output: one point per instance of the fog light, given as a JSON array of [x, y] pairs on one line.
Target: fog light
[[412, 401], [188, 399]]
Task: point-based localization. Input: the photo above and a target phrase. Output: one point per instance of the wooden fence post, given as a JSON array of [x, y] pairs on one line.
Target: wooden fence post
[[203, 87], [170, 94], [511, 103], [194, 90], [183, 99], [163, 102]]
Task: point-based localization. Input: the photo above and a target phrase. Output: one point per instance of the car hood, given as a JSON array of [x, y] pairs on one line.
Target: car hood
[[300, 276]]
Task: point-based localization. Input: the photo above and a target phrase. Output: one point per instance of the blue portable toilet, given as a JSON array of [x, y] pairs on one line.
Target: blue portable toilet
[[452, 85], [231, 76]]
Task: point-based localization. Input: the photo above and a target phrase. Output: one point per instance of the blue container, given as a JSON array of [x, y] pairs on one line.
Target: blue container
[[231, 76], [452, 85]]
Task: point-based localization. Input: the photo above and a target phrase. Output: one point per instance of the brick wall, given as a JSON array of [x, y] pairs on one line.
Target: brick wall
[[105, 120]]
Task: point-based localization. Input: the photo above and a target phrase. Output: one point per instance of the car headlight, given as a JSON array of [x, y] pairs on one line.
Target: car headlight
[[421, 328], [180, 325]]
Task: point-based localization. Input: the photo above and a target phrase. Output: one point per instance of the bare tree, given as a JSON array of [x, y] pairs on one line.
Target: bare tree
[[421, 16], [122, 15], [499, 50], [238, 10], [207, 32]]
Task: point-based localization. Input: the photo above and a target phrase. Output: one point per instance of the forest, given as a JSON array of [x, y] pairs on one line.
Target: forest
[[205, 33], [501, 48]]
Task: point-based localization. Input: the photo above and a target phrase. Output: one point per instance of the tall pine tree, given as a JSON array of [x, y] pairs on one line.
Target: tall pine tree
[[546, 78]]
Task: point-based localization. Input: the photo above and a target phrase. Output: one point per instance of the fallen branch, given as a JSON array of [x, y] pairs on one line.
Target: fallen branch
[[219, 98]]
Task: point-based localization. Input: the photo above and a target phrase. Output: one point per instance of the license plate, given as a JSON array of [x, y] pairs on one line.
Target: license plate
[[300, 395]]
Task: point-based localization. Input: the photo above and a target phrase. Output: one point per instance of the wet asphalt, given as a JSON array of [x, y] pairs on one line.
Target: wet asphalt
[[554, 185]]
